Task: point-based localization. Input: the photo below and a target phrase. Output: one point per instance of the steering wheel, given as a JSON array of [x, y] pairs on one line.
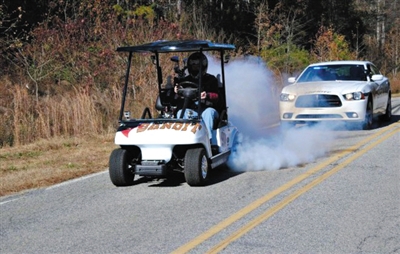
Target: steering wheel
[[188, 84], [189, 89]]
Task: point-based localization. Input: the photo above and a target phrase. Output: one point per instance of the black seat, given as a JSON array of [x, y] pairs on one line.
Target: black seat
[[164, 99], [221, 106]]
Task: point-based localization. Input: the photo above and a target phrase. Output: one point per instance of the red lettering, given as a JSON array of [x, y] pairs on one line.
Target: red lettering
[[142, 127], [177, 126], [166, 126], [185, 127], [196, 127], [154, 126]]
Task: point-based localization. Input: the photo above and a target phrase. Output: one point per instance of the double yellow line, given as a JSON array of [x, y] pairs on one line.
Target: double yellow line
[[390, 131]]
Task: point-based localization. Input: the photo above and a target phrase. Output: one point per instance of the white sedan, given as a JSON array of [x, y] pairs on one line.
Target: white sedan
[[351, 91]]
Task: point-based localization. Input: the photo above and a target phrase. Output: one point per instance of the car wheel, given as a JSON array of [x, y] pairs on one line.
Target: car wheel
[[120, 168], [368, 121], [388, 113], [196, 167]]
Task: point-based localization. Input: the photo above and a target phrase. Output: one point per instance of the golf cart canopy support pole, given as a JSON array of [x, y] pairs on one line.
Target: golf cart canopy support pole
[[126, 86], [200, 88], [223, 77], [159, 72]]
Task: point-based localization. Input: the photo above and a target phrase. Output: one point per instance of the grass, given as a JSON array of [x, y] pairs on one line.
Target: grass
[[48, 162]]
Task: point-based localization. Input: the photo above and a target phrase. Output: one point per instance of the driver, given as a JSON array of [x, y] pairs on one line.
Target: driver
[[209, 95]]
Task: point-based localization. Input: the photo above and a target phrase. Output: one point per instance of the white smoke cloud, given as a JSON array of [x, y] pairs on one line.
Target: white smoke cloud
[[252, 96], [290, 148]]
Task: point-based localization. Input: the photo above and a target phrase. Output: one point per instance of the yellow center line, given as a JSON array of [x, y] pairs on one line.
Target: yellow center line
[[217, 248], [254, 205]]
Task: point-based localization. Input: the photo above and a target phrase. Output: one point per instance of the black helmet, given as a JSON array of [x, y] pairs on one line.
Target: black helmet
[[194, 61]]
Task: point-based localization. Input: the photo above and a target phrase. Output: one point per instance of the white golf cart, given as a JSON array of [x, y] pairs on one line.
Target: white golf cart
[[155, 147]]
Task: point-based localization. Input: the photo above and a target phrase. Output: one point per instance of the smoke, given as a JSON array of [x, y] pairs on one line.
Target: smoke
[[293, 147], [252, 97]]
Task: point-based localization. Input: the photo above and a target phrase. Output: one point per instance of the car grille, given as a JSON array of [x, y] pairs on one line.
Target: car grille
[[318, 101], [318, 116]]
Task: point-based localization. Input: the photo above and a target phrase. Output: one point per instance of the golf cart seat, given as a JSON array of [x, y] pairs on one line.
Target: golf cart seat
[[164, 99], [221, 105]]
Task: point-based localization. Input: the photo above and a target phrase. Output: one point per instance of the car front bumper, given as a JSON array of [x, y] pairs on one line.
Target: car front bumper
[[353, 111]]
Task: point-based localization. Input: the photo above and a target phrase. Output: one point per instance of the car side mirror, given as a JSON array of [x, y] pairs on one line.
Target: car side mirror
[[377, 77], [291, 80]]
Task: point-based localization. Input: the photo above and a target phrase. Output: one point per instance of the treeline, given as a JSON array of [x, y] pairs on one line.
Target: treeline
[[59, 67]]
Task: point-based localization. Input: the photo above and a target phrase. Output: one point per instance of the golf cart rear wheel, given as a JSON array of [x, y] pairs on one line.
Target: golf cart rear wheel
[[120, 168], [196, 167]]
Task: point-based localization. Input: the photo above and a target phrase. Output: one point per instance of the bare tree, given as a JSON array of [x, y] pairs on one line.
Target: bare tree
[[380, 22], [262, 23]]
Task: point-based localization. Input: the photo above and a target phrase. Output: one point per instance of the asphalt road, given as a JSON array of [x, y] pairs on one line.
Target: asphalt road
[[338, 192]]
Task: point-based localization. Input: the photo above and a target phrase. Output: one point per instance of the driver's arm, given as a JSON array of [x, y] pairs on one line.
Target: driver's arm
[[177, 80], [211, 96], [176, 87]]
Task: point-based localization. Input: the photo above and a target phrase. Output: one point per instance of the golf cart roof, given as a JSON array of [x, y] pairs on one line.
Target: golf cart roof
[[164, 46]]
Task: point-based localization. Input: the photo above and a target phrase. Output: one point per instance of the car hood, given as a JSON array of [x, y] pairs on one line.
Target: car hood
[[327, 87]]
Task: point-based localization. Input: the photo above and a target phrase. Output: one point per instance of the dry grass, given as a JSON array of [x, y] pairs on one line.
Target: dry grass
[[48, 162], [395, 84]]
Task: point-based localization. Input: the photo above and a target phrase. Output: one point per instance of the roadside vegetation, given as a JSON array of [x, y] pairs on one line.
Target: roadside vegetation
[[50, 161], [61, 78]]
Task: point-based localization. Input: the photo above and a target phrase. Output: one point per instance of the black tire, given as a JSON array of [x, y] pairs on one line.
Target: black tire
[[196, 167], [119, 168], [388, 113], [369, 117]]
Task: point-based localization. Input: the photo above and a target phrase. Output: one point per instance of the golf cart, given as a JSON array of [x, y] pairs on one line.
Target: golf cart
[[156, 146]]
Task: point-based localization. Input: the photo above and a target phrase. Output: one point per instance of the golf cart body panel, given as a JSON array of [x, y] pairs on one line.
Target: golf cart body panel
[[160, 136]]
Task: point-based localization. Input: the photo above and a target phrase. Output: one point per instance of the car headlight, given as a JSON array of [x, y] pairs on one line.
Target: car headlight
[[354, 96], [287, 97]]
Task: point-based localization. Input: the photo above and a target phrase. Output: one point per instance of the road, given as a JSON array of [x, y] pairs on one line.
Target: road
[[337, 193]]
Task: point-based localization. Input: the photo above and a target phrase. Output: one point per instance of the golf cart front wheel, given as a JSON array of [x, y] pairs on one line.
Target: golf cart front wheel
[[196, 167], [120, 168]]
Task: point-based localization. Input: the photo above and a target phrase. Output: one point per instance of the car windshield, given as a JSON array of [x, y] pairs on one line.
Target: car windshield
[[355, 72]]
